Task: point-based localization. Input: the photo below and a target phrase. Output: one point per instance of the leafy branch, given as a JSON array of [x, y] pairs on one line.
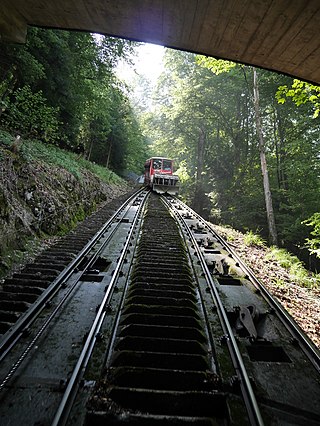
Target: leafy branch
[[301, 93]]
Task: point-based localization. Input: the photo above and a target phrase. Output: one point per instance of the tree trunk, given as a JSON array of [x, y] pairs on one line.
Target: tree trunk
[[109, 153], [280, 150], [263, 160], [88, 154], [198, 199]]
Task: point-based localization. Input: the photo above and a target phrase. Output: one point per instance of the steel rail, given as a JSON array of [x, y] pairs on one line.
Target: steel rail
[[245, 384], [69, 396], [306, 345], [119, 310], [10, 339], [43, 327], [294, 329]]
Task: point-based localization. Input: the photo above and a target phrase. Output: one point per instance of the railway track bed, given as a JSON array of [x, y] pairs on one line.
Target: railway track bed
[[159, 323]]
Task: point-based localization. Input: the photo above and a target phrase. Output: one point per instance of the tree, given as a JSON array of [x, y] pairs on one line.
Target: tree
[[225, 162], [301, 93], [61, 87], [30, 115], [264, 168]]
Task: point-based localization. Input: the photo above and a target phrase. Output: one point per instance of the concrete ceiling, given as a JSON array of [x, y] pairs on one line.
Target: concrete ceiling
[[280, 35]]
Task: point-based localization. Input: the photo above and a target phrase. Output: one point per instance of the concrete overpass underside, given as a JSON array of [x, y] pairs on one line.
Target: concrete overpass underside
[[280, 35]]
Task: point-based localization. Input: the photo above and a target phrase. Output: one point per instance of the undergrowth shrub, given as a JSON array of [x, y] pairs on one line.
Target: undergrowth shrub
[[35, 150], [294, 266], [251, 239]]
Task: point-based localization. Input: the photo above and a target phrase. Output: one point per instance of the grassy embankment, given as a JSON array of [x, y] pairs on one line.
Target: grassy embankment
[[44, 192]]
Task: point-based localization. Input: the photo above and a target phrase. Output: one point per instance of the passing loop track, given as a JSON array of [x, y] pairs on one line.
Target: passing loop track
[[70, 393], [159, 364], [262, 329], [12, 336], [160, 324], [196, 342]]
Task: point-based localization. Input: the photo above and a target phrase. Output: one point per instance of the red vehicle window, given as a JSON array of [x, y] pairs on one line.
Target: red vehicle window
[[166, 165], [157, 164]]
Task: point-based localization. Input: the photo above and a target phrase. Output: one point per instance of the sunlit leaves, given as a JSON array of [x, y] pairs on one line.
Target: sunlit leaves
[[217, 95], [217, 66], [61, 85], [301, 93], [314, 243]]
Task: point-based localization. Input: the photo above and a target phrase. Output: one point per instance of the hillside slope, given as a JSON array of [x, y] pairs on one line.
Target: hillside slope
[[302, 303], [44, 192]]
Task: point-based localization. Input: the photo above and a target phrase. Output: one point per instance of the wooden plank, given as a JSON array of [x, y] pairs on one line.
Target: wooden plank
[[267, 27], [12, 24], [304, 44], [306, 68], [244, 36], [177, 22], [212, 27], [290, 42], [150, 19], [197, 23], [232, 19], [226, 23]]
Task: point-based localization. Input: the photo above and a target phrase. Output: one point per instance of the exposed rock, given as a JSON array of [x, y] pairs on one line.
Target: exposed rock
[[38, 199]]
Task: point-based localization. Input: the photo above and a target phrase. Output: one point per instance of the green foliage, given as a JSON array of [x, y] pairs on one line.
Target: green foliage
[[294, 266], [278, 282], [103, 173], [190, 97], [230, 238], [314, 243], [61, 87], [251, 239], [35, 150], [301, 93], [6, 138], [217, 66], [82, 107], [29, 114], [192, 100]]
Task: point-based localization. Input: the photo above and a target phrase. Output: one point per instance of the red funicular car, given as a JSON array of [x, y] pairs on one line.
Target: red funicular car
[[158, 175]]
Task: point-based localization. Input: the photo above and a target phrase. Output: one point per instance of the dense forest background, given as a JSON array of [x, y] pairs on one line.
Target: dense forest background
[[61, 88], [204, 116]]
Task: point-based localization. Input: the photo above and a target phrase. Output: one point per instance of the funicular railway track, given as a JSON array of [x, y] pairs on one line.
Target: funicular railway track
[[163, 326]]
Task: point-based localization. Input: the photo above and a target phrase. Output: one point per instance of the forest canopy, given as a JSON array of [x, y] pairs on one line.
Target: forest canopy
[[218, 120], [61, 87], [205, 118]]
